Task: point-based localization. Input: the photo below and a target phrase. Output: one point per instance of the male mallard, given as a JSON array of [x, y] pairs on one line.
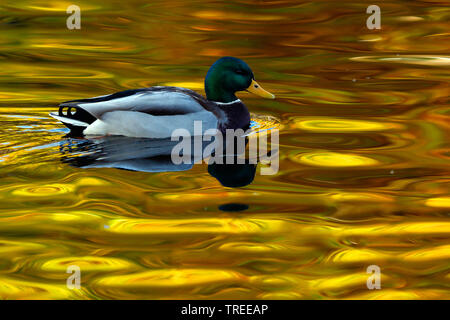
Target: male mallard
[[157, 111]]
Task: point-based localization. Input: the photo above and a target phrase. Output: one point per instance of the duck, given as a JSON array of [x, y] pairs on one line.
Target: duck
[[155, 112]]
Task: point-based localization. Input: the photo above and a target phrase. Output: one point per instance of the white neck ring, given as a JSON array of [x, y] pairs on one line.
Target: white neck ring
[[227, 103]]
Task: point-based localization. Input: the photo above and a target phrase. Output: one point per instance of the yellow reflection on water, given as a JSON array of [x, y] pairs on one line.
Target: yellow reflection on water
[[86, 264], [364, 169], [334, 159], [441, 202], [341, 125]]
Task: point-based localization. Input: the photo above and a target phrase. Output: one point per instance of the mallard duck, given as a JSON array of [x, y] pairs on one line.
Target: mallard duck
[[157, 111]]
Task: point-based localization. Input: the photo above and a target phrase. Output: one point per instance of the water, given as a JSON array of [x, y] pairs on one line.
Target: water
[[364, 153]]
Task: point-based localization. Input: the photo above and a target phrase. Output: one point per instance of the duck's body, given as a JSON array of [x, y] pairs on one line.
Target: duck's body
[[157, 111], [151, 113]]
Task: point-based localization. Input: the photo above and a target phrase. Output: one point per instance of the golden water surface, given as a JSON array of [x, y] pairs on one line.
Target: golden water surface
[[364, 175]]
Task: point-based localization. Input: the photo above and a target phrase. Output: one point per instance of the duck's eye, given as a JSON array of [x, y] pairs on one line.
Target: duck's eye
[[239, 71]]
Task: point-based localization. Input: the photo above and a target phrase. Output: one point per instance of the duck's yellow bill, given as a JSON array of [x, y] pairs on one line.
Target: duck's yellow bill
[[256, 89]]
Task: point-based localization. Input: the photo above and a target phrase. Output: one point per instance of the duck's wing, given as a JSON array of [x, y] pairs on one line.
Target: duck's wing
[[144, 125], [154, 101]]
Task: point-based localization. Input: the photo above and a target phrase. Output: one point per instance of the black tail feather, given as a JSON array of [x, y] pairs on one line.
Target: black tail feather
[[73, 111]]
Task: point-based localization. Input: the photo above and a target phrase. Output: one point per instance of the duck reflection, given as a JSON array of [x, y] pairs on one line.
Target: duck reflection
[[154, 155]]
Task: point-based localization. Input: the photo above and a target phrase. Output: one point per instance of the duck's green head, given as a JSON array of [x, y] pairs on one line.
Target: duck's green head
[[229, 75]]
